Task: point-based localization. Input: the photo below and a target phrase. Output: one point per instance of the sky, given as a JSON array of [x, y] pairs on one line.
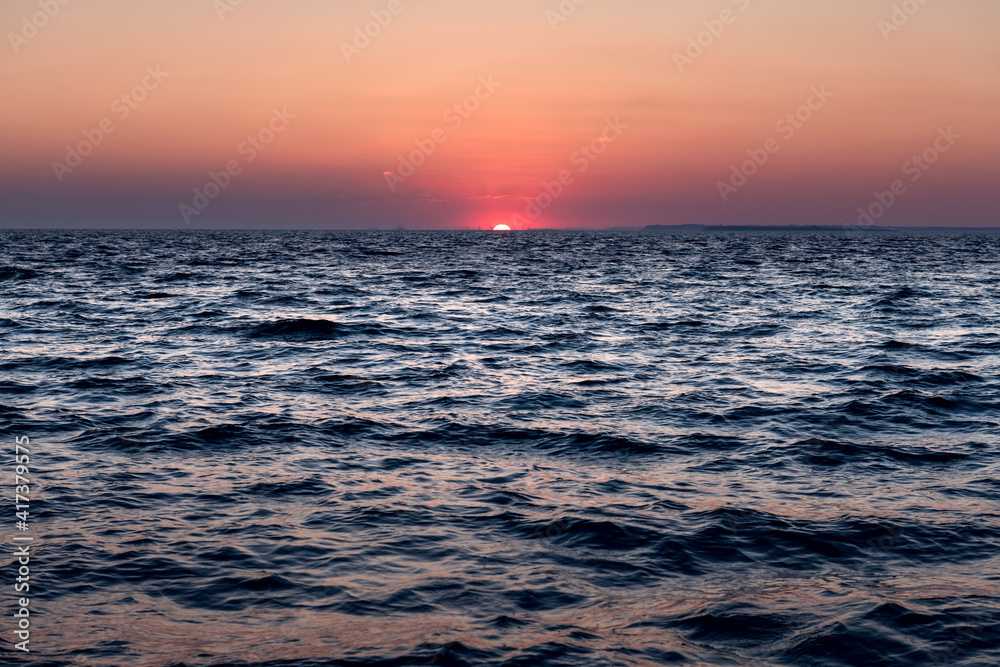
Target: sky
[[453, 114]]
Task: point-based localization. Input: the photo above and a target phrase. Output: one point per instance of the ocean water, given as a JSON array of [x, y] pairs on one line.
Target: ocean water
[[474, 448]]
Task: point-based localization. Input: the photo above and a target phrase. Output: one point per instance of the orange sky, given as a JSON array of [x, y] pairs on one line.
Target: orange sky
[[557, 79]]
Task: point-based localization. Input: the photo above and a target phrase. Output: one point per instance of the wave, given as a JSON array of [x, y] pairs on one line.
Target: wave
[[18, 273]]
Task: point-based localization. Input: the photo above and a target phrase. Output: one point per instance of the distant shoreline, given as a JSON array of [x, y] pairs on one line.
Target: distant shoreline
[[808, 228]]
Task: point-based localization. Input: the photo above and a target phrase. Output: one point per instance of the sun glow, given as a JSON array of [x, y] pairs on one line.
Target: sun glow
[[502, 228]]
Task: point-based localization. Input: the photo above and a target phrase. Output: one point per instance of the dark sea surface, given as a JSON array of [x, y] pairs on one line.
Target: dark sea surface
[[475, 448]]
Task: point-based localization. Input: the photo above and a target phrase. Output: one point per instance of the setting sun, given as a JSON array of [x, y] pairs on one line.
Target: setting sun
[[502, 228]]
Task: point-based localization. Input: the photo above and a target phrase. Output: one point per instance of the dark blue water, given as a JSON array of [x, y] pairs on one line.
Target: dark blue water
[[515, 449]]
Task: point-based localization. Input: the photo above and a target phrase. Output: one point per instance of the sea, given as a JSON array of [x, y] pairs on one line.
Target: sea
[[524, 449]]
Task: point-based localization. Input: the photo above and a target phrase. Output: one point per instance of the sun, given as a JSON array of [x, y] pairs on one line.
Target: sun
[[502, 228]]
